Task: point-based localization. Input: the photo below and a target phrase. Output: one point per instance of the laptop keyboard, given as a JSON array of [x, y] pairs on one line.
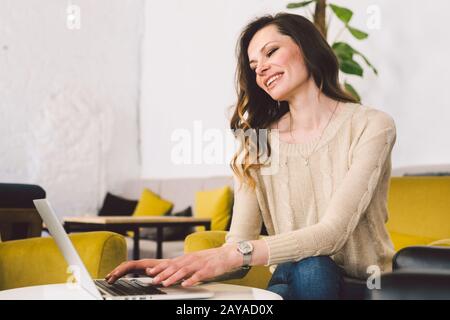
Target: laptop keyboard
[[128, 288]]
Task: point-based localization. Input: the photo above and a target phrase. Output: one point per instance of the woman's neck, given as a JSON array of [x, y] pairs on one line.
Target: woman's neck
[[310, 109]]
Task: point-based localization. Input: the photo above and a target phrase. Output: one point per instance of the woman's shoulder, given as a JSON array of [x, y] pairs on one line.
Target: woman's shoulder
[[369, 116]]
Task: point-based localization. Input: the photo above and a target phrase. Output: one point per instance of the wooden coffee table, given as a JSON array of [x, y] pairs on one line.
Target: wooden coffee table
[[125, 223]]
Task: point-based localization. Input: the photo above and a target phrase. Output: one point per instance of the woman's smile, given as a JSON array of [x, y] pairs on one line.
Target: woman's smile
[[273, 80]]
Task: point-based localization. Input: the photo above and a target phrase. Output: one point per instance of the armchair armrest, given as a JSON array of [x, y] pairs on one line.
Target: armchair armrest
[[412, 285], [38, 261], [432, 258]]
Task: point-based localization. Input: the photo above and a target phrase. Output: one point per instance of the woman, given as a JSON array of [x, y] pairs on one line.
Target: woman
[[325, 206]]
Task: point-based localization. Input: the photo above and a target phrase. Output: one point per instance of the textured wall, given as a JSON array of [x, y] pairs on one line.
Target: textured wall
[[69, 98]]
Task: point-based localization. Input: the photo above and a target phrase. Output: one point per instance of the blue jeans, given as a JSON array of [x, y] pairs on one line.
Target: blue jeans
[[311, 278]]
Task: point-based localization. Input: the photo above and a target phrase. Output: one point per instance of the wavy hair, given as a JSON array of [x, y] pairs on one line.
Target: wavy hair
[[255, 109]]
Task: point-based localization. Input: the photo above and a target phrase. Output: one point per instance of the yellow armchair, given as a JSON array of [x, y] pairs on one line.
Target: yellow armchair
[[38, 261], [419, 211]]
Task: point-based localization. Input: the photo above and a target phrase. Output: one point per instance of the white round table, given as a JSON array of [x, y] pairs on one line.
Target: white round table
[[63, 292]]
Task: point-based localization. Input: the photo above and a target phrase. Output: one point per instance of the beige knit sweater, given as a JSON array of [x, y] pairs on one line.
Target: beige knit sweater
[[336, 206]]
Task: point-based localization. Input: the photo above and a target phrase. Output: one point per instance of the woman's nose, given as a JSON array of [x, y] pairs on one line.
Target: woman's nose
[[261, 69]]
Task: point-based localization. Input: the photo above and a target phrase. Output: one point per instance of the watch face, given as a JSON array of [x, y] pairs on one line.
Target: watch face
[[245, 247]]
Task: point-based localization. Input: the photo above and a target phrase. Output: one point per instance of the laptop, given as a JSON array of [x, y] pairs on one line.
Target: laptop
[[122, 289]]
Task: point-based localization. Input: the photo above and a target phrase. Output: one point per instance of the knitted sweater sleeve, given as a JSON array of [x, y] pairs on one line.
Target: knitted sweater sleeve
[[349, 201], [246, 221]]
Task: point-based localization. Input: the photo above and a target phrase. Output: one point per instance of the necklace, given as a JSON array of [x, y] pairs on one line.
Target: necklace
[[306, 159]]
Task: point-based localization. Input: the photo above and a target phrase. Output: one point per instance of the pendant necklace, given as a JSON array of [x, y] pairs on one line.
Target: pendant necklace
[[306, 159]]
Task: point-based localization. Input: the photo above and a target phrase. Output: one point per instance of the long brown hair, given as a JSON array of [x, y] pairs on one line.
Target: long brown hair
[[255, 109]]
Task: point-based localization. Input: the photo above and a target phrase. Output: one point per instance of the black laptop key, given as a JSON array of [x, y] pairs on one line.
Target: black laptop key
[[148, 289], [114, 289], [104, 288], [130, 291], [111, 289], [125, 288]]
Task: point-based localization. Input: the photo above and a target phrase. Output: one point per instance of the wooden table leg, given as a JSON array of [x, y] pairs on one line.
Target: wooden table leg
[[136, 250]]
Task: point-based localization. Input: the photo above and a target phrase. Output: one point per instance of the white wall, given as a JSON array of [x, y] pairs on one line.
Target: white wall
[[410, 51], [189, 64], [69, 98], [188, 76]]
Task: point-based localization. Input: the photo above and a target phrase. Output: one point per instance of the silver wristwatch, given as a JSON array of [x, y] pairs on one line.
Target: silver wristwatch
[[246, 249]]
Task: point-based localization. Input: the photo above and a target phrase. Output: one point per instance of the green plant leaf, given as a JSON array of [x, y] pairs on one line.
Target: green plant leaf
[[294, 5], [342, 13], [344, 52], [358, 34], [352, 91], [368, 63], [350, 66]]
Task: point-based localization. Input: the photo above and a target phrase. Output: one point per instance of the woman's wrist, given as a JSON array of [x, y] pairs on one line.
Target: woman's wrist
[[235, 258], [260, 254]]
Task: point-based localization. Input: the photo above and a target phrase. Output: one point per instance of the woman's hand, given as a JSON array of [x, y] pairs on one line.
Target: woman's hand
[[194, 267], [132, 266]]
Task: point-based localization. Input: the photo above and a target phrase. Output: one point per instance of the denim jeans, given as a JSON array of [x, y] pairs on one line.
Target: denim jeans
[[311, 278]]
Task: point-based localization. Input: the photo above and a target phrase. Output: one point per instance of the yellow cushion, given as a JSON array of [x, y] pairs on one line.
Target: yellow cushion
[[150, 204], [215, 204], [38, 261]]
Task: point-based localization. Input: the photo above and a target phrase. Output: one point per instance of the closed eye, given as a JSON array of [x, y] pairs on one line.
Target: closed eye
[[271, 52]]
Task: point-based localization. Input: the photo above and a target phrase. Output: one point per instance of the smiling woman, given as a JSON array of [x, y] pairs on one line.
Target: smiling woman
[[325, 207]]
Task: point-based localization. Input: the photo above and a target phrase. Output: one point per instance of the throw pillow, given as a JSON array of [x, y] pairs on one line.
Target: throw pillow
[[117, 206], [150, 204], [215, 204]]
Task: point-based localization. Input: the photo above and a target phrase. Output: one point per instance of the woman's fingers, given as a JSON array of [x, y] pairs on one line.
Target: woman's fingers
[[166, 269], [195, 278], [178, 275], [174, 273], [120, 271], [166, 273], [127, 267], [179, 261], [148, 263], [152, 271]]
